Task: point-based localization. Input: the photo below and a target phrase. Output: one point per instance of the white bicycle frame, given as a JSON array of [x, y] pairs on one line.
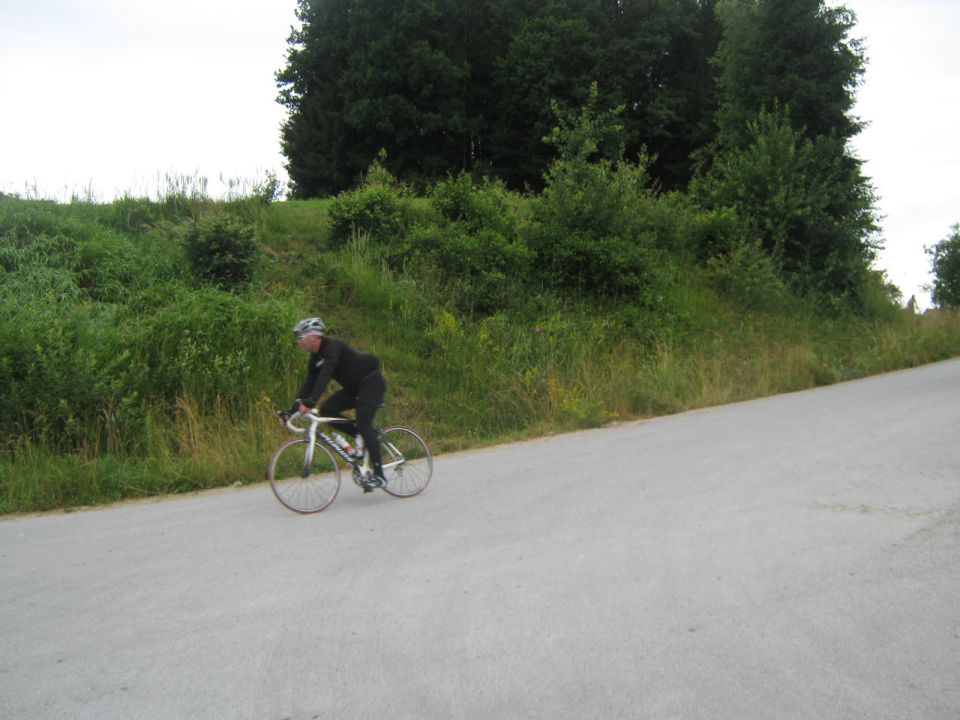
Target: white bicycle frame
[[316, 420]]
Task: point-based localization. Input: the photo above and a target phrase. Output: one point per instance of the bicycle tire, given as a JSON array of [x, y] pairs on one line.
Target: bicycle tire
[[301, 488], [407, 462]]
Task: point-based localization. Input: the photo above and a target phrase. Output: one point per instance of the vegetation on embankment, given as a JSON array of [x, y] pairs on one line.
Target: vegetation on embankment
[[145, 343]]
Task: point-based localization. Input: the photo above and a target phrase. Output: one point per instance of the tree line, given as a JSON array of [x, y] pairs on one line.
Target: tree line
[[448, 85], [743, 106]]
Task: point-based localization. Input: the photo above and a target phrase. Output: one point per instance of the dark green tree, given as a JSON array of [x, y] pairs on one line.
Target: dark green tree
[[787, 74], [552, 57], [795, 196], [945, 265], [655, 61], [452, 85], [794, 53], [366, 75], [315, 138], [650, 57]]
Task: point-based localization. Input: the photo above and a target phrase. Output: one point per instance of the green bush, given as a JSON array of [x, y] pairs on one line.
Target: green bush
[[488, 205], [478, 271], [714, 234], [592, 229], [64, 369], [472, 248], [746, 275], [222, 251], [808, 206], [209, 344], [380, 207], [597, 226]]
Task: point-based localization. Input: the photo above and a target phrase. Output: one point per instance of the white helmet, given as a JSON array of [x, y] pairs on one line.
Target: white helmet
[[309, 326]]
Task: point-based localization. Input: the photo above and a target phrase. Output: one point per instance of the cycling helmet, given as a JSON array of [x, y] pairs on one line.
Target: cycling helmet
[[309, 326]]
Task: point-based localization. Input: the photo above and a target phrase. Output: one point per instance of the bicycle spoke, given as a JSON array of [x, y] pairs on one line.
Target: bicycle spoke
[[407, 462], [304, 479]]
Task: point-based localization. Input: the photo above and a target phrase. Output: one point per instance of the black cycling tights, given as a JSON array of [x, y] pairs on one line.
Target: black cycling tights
[[366, 398]]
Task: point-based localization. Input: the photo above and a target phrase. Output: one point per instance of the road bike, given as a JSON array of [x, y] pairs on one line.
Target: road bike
[[304, 472]]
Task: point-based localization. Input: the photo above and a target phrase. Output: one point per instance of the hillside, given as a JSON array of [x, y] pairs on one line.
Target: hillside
[[145, 343]]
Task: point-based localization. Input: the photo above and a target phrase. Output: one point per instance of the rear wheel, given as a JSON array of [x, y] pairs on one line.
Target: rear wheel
[[407, 462], [304, 481]]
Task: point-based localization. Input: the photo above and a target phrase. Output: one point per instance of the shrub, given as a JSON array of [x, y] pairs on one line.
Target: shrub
[[380, 207], [222, 251], [209, 344], [804, 201], [714, 234], [63, 369], [478, 270], [747, 276], [591, 231], [487, 206], [472, 245], [597, 223]]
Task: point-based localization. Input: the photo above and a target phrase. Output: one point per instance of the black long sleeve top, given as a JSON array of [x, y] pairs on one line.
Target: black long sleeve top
[[335, 361]]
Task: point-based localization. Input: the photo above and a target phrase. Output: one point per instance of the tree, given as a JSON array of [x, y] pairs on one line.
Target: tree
[[810, 209], [650, 57], [656, 63], [793, 53], [366, 75], [452, 85], [787, 74], [552, 58], [945, 265], [591, 229], [315, 138]]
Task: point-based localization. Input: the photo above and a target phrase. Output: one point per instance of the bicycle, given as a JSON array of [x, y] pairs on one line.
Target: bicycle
[[305, 476]]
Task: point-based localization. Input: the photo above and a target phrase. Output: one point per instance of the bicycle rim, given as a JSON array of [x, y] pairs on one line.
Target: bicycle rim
[[302, 484], [407, 462]]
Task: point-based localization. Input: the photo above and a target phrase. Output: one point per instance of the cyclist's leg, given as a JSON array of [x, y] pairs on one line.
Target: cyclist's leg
[[369, 398], [333, 406]]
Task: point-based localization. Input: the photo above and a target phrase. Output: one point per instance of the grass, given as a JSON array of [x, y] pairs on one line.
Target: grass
[[210, 366]]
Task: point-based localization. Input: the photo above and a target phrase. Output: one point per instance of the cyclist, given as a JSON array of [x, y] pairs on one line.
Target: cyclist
[[362, 386]]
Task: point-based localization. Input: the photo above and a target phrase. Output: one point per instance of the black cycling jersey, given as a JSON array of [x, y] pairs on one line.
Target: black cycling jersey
[[335, 361]]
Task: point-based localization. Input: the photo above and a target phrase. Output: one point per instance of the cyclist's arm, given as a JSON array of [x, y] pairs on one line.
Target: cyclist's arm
[[305, 389], [318, 378]]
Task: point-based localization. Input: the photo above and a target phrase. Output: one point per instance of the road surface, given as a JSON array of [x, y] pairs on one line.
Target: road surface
[[792, 557]]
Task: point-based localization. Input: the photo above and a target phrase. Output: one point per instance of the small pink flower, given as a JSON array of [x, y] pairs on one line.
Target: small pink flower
[[537, 330]]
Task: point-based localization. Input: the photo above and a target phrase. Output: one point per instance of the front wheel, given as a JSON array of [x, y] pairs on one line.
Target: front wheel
[[407, 462], [304, 482]]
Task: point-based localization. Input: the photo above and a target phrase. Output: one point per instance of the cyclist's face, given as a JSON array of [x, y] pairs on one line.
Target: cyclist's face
[[310, 343]]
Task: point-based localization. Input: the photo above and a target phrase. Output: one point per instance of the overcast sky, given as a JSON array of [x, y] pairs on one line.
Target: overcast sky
[[105, 97]]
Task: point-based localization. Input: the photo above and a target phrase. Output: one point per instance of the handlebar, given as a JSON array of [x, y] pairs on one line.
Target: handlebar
[[310, 417]]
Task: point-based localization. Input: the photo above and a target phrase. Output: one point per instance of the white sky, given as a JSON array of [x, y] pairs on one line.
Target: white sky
[[121, 96]]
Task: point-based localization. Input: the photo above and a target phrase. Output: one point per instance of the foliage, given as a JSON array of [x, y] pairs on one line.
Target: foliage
[[222, 251], [747, 275], [448, 87], [379, 208], [475, 248], [591, 229], [121, 384], [802, 199], [214, 345], [83, 310], [945, 265], [792, 54]]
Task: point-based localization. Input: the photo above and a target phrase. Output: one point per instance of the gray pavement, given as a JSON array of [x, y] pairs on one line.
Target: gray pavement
[[794, 557]]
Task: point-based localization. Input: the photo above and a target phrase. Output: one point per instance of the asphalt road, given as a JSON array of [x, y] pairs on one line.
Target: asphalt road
[[794, 557]]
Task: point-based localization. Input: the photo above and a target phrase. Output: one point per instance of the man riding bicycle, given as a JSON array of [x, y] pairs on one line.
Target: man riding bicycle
[[362, 386]]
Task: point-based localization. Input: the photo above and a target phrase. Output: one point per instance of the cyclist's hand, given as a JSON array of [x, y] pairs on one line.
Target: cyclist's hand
[[284, 417], [304, 410]]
